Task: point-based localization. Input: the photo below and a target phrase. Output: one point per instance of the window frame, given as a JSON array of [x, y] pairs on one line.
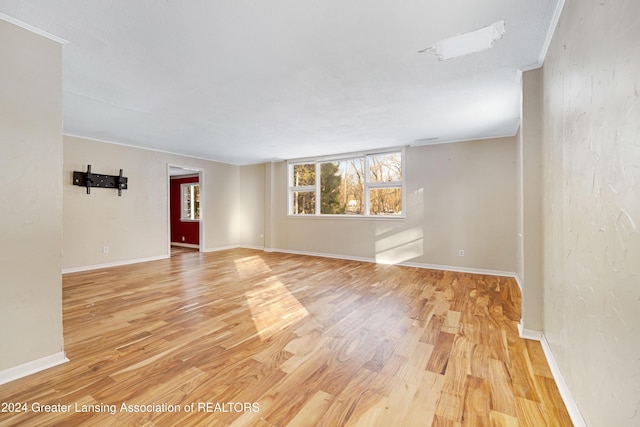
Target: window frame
[[367, 185], [184, 216]]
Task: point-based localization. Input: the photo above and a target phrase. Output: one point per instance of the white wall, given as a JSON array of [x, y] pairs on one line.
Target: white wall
[[135, 225], [31, 193], [251, 208], [530, 204], [459, 196], [591, 207]]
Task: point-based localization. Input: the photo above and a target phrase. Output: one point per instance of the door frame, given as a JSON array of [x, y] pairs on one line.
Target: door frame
[[200, 172]]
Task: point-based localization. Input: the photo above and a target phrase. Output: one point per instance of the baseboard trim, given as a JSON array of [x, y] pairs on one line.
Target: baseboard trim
[[221, 248], [32, 367], [255, 247], [572, 407], [319, 254], [111, 264], [565, 393], [529, 334], [456, 269], [400, 263], [518, 281]]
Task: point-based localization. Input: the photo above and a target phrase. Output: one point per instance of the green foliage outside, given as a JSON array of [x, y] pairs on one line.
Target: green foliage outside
[[330, 181]]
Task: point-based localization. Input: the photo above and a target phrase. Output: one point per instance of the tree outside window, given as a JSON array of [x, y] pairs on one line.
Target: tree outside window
[[368, 185]]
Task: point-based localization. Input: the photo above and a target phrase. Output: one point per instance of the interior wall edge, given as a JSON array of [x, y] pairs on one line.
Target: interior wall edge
[[550, 33]]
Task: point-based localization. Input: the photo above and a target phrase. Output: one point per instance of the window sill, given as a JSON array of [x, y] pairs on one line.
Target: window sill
[[349, 217]]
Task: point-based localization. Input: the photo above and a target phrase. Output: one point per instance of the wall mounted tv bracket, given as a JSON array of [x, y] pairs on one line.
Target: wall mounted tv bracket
[[88, 180]]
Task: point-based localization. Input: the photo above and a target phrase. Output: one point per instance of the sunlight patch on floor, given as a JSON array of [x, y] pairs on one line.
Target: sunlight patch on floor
[[273, 307], [250, 266]]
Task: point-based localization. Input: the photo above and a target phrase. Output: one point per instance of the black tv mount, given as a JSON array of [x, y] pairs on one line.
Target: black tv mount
[[88, 180]]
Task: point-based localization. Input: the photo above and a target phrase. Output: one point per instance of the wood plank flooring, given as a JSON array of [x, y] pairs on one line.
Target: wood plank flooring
[[248, 338]]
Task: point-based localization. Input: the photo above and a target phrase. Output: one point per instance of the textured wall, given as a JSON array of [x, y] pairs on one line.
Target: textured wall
[[591, 214], [31, 193]]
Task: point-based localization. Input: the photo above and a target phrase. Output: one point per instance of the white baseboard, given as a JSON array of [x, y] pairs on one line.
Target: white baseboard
[[256, 247], [32, 367], [224, 248], [185, 245], [138, 260], [401, 263], [572, 407], [111, 264], [320, 254], [453, 268], [518, 281], [565, 393], [529, 334], [221, 248]]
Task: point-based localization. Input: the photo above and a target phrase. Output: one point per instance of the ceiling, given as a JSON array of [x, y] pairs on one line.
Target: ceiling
[[251, 81], [179, 171]]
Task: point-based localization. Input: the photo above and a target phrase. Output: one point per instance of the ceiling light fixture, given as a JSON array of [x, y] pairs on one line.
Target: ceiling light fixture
[[467, 43]]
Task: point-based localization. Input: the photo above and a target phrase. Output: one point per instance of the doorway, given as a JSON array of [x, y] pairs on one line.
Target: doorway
[[185, 208]]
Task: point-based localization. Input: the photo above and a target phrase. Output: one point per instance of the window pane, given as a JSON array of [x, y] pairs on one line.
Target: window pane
[[331, 188], [386, 201], [190, 201], [385, 167], [196, 202], [186, 201], [304, 202], [342, 187], [304, 174]]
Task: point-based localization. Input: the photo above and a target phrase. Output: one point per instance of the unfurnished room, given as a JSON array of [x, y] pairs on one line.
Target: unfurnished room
[[320, 213]]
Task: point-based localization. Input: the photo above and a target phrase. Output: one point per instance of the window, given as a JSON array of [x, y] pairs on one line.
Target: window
[[365, 185], [304, 188], [190, 201], [385, 184]]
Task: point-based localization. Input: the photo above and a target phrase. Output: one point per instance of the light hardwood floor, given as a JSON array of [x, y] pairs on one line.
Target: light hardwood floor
[[291, 341]]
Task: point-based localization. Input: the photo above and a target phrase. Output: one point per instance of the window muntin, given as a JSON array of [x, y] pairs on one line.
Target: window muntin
[[190, 201], [366, 185]]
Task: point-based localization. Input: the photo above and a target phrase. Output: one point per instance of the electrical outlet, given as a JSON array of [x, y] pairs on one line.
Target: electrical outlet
[[183, 238], [461, 253], [105, 249]]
